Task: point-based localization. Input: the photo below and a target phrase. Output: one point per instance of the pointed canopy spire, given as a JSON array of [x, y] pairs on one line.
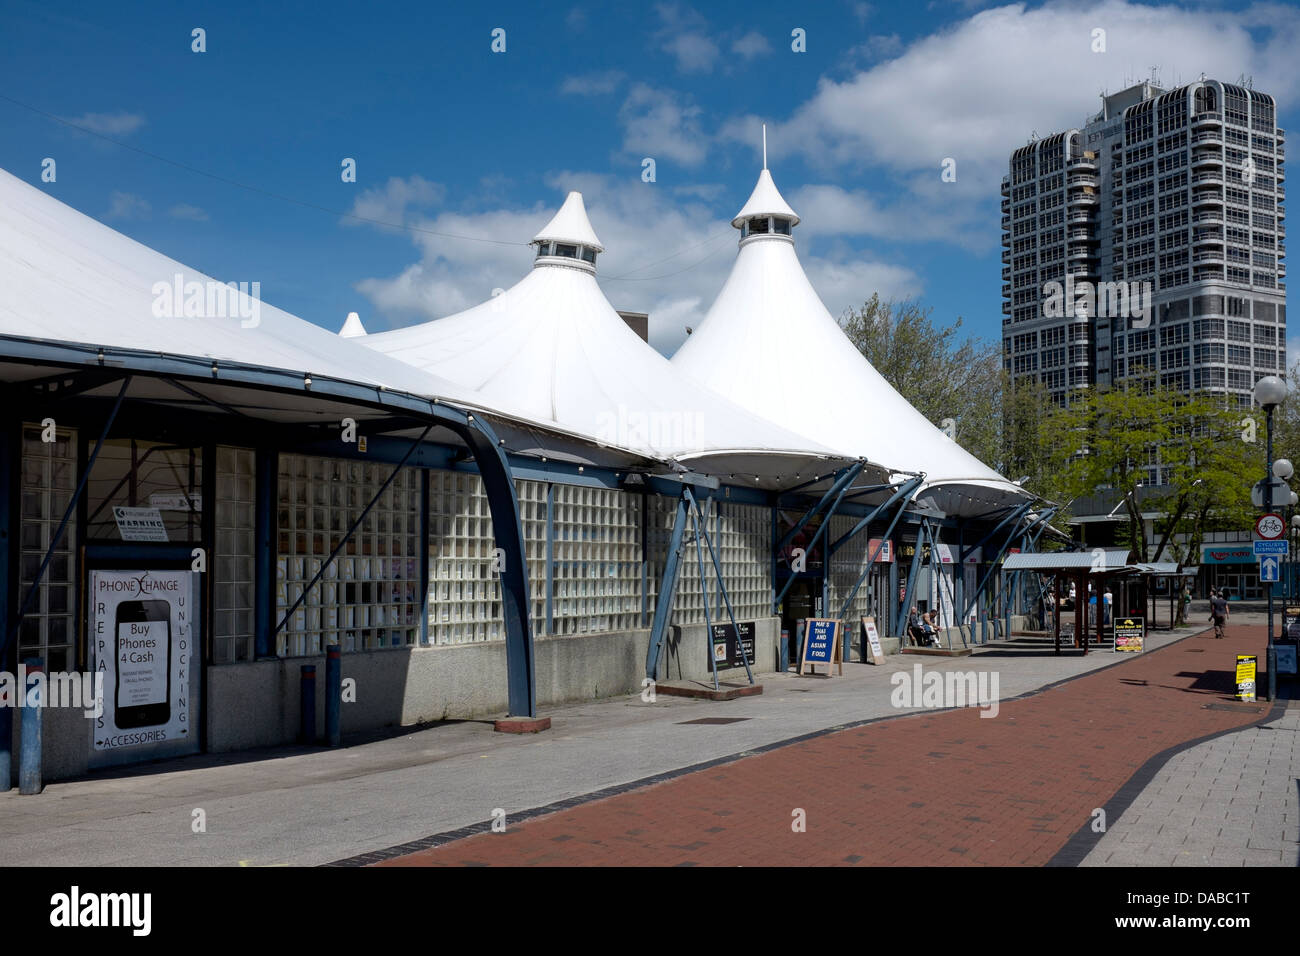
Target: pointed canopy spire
[[352, 327], [570, 225], [765, 200]]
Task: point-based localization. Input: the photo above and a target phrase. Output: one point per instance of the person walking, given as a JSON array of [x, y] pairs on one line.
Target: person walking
[[1106, 601], [1218, 612]]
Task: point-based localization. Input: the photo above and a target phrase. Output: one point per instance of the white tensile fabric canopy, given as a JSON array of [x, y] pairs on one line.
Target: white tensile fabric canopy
[[67, 278], [769, 344], [553, 346]]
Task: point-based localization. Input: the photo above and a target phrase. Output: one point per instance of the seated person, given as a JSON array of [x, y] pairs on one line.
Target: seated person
[[930, 624], [916, 627]]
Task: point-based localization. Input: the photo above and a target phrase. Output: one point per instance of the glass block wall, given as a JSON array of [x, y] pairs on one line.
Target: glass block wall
[[597, 555], [234, 591], [464, 587], [742, 534], [532, 511], [367, 597], [743, 537], [49, 472]]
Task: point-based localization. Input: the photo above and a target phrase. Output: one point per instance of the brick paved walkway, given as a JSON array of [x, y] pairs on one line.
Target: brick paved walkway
[[946, 788]]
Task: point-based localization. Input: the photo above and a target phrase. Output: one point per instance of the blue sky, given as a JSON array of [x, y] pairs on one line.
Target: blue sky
[[454, 140]]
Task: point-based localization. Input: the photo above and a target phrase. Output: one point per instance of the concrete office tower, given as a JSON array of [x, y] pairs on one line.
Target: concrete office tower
[[1152, 237]]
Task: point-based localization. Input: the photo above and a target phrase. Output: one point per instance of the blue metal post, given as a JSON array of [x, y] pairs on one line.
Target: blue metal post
[[667, 591], [722, 587], [333, 695], [33, 704], [907, 491], [10, 454], [900, 624], [267, 467], [704, 584], [307, 704]]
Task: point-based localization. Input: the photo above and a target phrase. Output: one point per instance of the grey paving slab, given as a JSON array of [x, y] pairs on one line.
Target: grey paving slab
[[1248, 792]]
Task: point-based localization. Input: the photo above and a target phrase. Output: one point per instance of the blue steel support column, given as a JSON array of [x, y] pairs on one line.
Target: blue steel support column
[[907, 491], [900, 623], [698, 527], [33, 706], [267, 467], [722, 588], [508, 534], [994, 563], [893, 595], [10, 454], [667, 591], [843, 487]]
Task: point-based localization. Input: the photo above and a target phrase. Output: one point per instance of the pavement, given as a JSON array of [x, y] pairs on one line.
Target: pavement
[[632, 781]]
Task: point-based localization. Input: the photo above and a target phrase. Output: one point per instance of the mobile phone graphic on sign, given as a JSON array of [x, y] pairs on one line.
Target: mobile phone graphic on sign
[[143, 650]]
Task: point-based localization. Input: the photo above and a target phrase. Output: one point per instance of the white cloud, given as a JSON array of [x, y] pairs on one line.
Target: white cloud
[[593, 84], [960, 92], [750, 45], [681, 35], [127, 206], [186, 211], [108, 124], [388, 204], [661, 124]]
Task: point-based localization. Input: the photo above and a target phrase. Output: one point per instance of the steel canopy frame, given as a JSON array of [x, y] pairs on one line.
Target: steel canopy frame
[[1015, 517], [907, 491], [700, 529], [477, 434]]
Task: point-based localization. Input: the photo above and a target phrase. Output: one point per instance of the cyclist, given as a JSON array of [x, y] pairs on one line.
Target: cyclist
[[1218, 612]]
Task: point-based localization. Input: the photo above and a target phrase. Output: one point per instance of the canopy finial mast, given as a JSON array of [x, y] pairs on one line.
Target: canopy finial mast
[[765, 146]]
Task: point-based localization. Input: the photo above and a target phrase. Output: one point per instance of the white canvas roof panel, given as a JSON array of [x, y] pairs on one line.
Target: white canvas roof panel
[[769, 344], [553, 347], [67, 278]]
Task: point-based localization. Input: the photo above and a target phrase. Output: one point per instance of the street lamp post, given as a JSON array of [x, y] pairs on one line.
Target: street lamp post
[[1270, 392]]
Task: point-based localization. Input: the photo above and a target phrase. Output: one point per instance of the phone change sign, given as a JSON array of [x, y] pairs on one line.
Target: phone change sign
[[142, 640]]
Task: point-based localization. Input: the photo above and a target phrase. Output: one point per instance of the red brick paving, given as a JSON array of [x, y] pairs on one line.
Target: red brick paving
[[947, 788]]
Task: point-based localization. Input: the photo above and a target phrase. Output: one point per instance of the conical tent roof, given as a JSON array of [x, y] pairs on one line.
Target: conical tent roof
[[769, 344], [352, 327], [553, 346], [765, 200], [570, 224]]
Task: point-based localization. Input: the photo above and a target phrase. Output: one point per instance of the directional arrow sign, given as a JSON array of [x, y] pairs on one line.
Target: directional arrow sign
[[1271, 547], [1268, 568]]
